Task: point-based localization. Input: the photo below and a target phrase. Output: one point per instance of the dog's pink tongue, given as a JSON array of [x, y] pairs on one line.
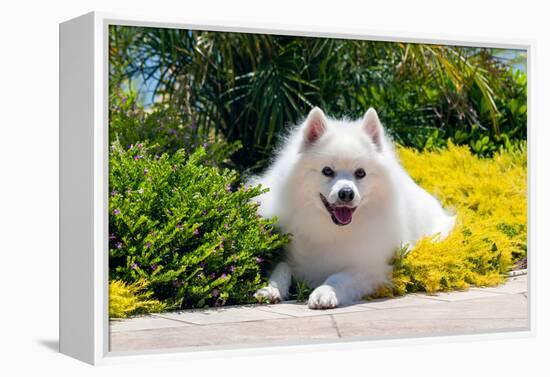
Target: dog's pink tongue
[[343, 214]]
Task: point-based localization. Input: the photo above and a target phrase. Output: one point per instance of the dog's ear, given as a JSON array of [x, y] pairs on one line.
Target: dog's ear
[[315, 125], [371, 124]]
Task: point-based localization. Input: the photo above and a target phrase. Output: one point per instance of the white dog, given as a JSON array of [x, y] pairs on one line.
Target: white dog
[[339, 189]]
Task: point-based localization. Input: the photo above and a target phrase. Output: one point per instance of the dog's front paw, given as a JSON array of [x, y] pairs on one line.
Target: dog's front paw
[[323, 297], [268, 294]]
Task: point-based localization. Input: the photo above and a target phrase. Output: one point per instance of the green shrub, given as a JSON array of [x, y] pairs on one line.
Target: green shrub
[[184, 228], [165, 128]]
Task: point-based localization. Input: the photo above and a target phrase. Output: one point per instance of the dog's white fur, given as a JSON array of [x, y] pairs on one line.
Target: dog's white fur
[[344, 263]]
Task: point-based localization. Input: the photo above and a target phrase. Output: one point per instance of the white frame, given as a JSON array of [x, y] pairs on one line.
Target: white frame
[[84, 322]]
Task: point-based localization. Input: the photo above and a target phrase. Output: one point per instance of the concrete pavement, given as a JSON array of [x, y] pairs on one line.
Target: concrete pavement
[[502, 308]]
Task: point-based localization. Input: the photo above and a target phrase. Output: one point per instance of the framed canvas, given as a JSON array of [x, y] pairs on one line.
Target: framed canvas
[[242, 188]]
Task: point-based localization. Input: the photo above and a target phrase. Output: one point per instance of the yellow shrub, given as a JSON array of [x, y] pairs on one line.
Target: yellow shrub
[[127, 299], [490, 199]]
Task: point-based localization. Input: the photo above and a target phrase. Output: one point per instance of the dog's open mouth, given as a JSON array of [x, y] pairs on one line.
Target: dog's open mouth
[[340, 214]]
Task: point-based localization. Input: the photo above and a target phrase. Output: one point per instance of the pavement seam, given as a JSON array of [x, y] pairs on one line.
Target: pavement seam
[[492, 290], [440, 319], [319, 313], [289, 316], [492, 295], [173, 319], [335, 325], [438, 301], [229, 323], [232, 323], [269, 310]]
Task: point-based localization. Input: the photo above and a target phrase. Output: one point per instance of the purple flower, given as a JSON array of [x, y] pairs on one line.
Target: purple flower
[[112, 236], [223, 239], [215, 293], [145, 171], [123, 100], [113, 148], [204, 212], [134, 266], [148, 245], [202, 264], [113, 193], [224, 275], [196, 232], [213, 275], [259, 260], [118, 245], [116, 211], [233, 268], [205, 145], [179, 227], [139, 146], [154, 267], [137, 157], [220, 209], [228, 188]]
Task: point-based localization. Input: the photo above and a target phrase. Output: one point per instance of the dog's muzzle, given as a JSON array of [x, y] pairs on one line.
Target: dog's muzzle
[[341, 214]]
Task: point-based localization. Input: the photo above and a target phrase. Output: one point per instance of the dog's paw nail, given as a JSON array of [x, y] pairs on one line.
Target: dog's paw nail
[[268, 294], [323, 297]]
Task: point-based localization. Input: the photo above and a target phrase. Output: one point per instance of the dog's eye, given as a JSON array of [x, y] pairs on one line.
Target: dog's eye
[[360, 173], [327, 172]]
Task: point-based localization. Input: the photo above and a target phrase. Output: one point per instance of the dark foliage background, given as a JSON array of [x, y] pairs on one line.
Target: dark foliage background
[[249, 87]]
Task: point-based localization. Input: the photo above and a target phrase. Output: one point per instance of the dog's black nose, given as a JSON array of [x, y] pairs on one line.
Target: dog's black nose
[[346, 194]]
